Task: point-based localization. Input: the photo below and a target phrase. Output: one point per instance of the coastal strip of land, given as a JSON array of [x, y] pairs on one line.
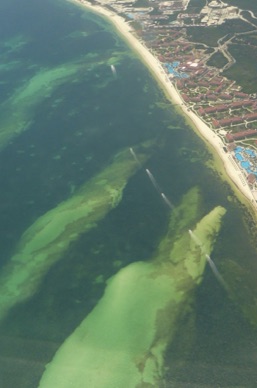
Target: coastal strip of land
[[160, 75]]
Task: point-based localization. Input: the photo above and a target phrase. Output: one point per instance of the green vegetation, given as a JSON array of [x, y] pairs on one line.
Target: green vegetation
[[136, 25], [217, 60], [211, 35], [156, 11], [246, 39], [250, 142], [244, 71], [244, 4], [209, 50], [247, 16], [195, 6], [173, 17], [142, 4], [206, 35], [201, 47]]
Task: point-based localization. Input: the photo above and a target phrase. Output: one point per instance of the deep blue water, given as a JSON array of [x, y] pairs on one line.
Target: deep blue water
[[71, 134]]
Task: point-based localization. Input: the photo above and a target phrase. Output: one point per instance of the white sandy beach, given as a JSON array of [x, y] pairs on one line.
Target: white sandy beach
[[157, 70]]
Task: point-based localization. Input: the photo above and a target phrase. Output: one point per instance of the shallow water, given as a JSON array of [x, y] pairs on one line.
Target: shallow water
[[71, 127]]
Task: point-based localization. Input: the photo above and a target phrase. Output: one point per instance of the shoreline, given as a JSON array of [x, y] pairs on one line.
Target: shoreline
[[233, 172]]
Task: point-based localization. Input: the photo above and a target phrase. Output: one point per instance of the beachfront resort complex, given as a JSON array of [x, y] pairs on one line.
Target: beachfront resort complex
[[206, 50]]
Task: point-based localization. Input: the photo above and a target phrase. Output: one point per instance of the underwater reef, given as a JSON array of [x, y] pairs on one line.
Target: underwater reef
[[122, 342], [49, 237]]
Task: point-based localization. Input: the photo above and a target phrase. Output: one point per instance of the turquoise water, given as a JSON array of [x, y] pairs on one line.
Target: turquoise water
[[247, 159], [69, 127]]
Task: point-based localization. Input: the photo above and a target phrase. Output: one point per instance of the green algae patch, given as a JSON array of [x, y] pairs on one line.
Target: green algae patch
[[111, 346], [182, 218], [122, 342], [45, 241], [17, 111], [209, 226], [15, 43], [42, 83]]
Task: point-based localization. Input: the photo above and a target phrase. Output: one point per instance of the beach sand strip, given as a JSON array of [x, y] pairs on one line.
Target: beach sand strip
[[154, 65]]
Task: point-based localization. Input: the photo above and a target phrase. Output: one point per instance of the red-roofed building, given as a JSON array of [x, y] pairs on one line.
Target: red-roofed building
[[226, 96], [195, 99], [229, 121], [219, 88], [251, 178], [239, 104], [251, 116], [232, 120], [211, 97], [217, 108], [241, 95], [203, 83], [240, 135], [201, 112], [229, 137], [215, 82], [215, 123], [185, 97], [232, 145]]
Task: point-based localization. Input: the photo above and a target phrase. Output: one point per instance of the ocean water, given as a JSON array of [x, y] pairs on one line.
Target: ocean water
[[64, 115]]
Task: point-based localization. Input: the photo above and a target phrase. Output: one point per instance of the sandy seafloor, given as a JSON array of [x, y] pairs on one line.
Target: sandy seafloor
[[69, 135]]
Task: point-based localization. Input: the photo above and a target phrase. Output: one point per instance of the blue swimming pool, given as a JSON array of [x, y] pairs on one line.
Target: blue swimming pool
[[246, 165], [251, 153], [172, 70], [239, 157]]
